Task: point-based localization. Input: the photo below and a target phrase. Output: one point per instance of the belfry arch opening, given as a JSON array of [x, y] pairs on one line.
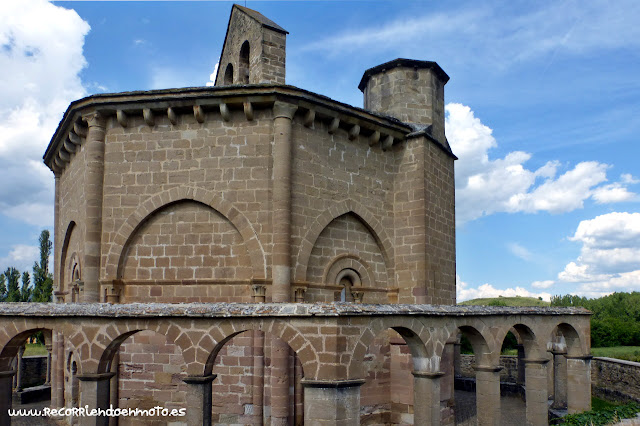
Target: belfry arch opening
[[228, 75], [243, 63]]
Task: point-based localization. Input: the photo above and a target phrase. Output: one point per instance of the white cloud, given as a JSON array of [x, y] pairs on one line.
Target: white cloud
[[542, 284], [464, 292], [212, 77], [610, 255], [613, 193], [485, 186], [41, 58], [519, 251], [502, 34], [20, 256]]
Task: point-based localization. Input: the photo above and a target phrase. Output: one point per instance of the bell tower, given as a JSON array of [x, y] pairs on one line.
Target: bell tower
[[254, 50]]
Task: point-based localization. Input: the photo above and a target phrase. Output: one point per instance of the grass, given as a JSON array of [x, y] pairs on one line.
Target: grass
[[34, 349], [598, 404], [602, 413], [506, 301], [629, 353]]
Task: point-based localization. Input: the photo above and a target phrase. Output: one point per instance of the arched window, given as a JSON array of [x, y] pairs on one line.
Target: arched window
[[347, 279], [243, 64], [228, 75]]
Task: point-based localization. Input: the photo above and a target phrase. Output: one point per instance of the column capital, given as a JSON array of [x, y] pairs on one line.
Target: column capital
[[284, 109], [95, 377], [94, 119], [488, 368], [199, 380], [428, 374], [349, 383]]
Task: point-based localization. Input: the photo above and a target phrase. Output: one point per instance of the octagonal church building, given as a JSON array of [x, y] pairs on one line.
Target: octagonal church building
[[255, 253]]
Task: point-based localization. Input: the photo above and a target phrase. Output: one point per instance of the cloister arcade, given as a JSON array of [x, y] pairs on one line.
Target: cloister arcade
[[330, 341]]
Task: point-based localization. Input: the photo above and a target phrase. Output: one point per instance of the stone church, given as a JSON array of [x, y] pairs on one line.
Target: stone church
[[260, 254]]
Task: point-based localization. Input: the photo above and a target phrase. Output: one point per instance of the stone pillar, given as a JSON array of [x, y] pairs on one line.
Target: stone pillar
[[488, 395], [57, 388], [114, 397], [199, 400], [426, 398], [457, 358], [559, 380], [19, 369], [281, 270], [447, 366], [257, 381], [521, 365], [48, 376], [332, 402], [94, 177], [279, 383], [6, 396], [94, 393], [537, 395], [578, 383]]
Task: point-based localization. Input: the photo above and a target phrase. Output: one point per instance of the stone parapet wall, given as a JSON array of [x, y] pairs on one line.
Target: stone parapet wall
[[34, 371], [615, 379]]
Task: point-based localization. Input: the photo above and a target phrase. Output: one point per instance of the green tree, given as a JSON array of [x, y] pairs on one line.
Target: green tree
[[42, 279], [25, 291], [3, 288], [13, 284]]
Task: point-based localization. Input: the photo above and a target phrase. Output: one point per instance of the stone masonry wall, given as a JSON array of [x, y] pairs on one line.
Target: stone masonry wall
[[329, 170], [509, 363], [230, 159], [72, 209], [615, 379]]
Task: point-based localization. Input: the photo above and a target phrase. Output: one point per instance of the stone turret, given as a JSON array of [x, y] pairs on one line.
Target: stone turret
[[254, 50], [409, 90]]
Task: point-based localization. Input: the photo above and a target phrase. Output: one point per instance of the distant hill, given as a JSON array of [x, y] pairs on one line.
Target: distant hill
[[506, 301]]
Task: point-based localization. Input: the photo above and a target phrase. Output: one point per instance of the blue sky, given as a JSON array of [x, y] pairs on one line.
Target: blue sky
[[543, 110]]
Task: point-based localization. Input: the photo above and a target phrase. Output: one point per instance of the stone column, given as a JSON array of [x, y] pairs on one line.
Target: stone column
[[578, 383], [537, 395], [488, 395], [48, 376], [199, 400], [94, 177], [6, 396], [559, 380], [19, 369], [281, 269], [426, 398], [283, 115], [94, 394], [57, 247], [332, 402]]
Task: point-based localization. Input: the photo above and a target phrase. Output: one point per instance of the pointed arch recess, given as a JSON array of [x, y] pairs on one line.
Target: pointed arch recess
[[203, 196], [368, 220]]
